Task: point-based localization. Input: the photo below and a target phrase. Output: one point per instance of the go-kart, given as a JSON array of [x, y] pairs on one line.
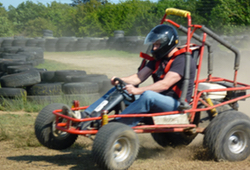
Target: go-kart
[[213, 111]]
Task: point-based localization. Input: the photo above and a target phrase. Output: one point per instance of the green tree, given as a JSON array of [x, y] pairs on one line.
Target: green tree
[[230, 16], [189, 5], [3, 12], [134, 17], [25, 12], [143, 19], [60, 16], [85, 19], [36, 27], [205, 7], [80, 2], [6, 29]]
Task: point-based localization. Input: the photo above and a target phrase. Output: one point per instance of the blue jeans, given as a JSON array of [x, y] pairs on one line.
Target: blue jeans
[[149, 102]]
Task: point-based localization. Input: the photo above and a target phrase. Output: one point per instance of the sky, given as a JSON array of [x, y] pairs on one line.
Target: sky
[[15, 3]]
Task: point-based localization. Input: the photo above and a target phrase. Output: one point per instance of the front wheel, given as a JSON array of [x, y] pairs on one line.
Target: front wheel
[[228, 136], [46, 132], [115, 146]]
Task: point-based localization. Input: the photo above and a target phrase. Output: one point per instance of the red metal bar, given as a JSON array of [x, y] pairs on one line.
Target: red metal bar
[[163, 19], [195, 99], [159, 130], [165, 126], [73, 130], [193, 32], [172, 22], [197, 26]]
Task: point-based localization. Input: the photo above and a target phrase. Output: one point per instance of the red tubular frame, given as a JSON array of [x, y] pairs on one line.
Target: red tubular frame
[[67, 126]]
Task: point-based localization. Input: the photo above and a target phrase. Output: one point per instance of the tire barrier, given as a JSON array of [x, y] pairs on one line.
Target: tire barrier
[[63, 42], [62, 75], [19, 79], [22, 79], [80, 88], [7, 42], [93, 44], [132, 44], [1, 40], [50, 44], [41, 43], [32, 42], [82, 44], [45, 89], [42, 86], [71, 46], [118, 33], [19, 42], [7, 92]]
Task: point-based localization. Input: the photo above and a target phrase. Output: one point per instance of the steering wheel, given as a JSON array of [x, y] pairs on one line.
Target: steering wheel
[[120, 87]]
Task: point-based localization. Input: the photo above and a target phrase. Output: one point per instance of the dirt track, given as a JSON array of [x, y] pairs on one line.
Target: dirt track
[[151, 155]]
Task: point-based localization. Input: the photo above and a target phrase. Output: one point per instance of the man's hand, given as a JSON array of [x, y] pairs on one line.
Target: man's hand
[[132, 89], [113, 82]]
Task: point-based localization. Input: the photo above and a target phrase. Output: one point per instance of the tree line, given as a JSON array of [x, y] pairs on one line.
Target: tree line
[[134, 17]]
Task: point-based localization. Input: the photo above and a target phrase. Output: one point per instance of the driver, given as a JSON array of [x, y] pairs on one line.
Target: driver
[[163, 94]]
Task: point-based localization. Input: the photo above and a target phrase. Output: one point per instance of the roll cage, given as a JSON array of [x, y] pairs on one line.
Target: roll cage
[[236, 91]]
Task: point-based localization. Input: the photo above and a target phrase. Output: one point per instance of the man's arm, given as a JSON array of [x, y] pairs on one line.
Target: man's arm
[[169, 80], [137, 78]]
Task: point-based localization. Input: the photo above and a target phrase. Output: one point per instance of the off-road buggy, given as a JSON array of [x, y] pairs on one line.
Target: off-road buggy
[[213, 111]]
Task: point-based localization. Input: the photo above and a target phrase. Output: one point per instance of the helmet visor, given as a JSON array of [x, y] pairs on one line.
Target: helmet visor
[[153, 37]]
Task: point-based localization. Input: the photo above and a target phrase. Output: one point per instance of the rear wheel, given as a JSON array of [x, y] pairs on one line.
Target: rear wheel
[[115, 146], [228, 136], [46, 132]]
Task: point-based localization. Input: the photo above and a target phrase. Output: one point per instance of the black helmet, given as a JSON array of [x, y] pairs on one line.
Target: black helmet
[[168, 38]]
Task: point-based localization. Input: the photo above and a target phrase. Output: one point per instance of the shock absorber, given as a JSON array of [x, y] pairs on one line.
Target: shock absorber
[[105, 117], [209, 101]]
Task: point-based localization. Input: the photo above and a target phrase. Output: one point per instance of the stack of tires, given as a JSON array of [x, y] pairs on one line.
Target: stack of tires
[[19, 79], [118, 33], [68, 85], [115, 43], [71, 46], [16, 75], [93, 44], [50, 44], [31, 42], [63, 42], [19, 42], [111, 43], [102, 44], [130, 43], [31, 55], [47, 33], [40, 43], [7, 42], [82, 44]]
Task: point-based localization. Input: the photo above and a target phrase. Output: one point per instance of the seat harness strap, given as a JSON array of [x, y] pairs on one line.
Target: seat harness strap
[[145, 57]]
